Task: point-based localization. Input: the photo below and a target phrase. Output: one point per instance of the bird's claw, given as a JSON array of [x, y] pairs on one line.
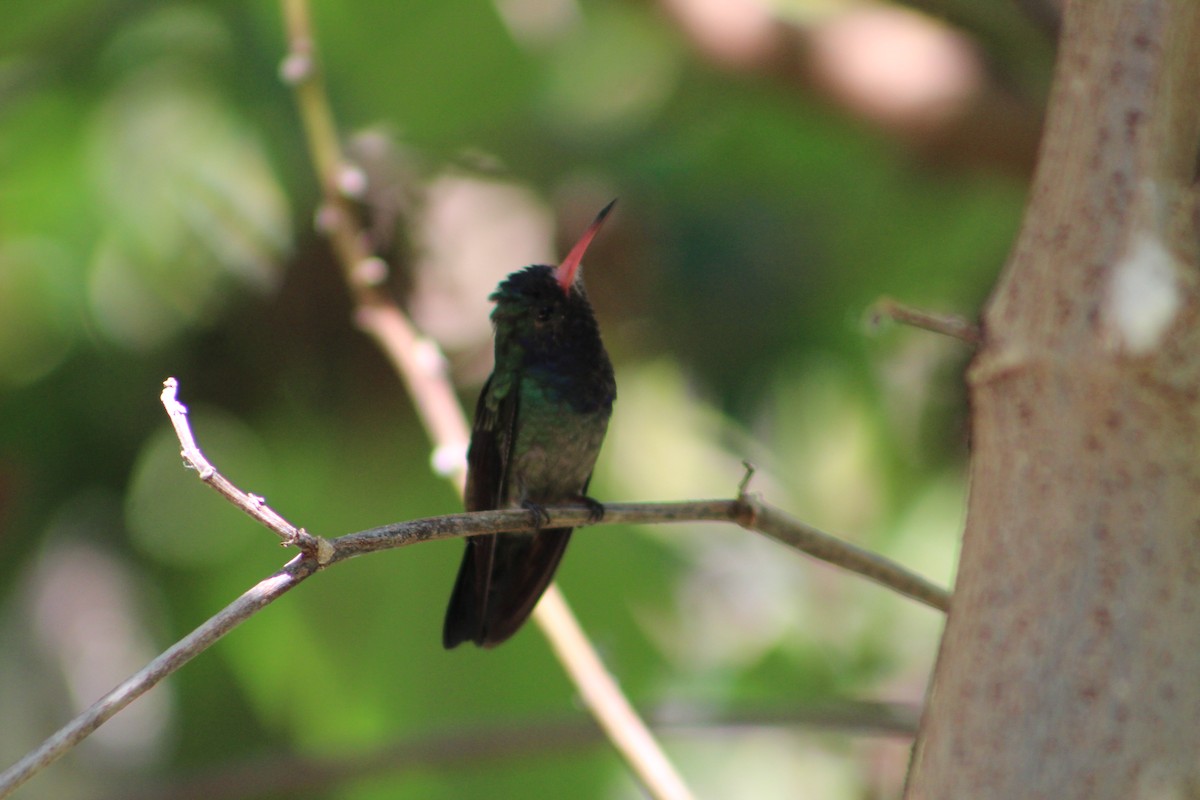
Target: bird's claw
[[540, 516], [595, 509]]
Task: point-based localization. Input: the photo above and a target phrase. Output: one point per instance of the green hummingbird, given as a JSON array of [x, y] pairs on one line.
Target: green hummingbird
[[539, 424]]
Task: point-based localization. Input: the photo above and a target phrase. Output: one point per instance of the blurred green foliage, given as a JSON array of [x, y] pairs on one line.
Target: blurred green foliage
[[156, 207]]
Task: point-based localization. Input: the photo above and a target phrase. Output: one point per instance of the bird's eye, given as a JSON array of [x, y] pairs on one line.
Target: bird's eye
[[544, 313]]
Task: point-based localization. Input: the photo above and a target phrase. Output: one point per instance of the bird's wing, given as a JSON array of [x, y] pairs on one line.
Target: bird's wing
[[488, 459], [492, 437]]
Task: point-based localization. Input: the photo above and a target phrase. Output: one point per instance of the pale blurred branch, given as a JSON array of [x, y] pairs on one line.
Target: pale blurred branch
[[422, 367], [289, 773]]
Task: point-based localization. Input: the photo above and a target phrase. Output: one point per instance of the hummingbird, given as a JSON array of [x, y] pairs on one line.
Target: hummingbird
[[539, 425]]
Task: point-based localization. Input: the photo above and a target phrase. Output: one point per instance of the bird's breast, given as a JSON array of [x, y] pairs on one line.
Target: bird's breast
[[555, 450]]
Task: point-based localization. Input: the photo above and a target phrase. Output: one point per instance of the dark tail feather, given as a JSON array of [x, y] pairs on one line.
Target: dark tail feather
[[468, 601], [497, 590], [523, 568]]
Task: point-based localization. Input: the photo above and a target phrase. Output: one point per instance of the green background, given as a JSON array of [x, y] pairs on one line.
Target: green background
[[156, 219]]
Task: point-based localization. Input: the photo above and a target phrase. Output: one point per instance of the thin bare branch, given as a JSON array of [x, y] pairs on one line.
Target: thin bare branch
[[253, 504], [747, 511], [784, 528], [950, 325], [751, 513]]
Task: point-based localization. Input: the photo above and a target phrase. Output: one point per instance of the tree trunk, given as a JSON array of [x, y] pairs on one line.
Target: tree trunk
[[1070, 664]]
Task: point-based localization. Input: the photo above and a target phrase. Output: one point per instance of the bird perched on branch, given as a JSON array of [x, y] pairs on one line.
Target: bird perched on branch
[[539, 424]]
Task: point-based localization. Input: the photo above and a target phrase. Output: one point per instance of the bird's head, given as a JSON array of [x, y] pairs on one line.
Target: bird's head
[[544, 303]]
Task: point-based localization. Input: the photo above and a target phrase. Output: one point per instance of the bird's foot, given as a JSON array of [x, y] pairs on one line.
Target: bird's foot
[[540, 516], [595, 508]]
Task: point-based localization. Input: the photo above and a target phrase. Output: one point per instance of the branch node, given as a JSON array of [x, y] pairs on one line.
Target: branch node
[[370, 272], [324, 550], [745, 511], [296, 68], [327, 218], [447, 458], [429, 356], [320, 549], [351, 181]]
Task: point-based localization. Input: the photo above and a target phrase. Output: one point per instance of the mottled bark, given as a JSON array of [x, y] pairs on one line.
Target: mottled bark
[[1070, 665]]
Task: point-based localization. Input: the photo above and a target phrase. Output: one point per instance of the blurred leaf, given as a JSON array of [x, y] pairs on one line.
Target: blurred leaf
[[191, 199], [615, 48], [38, 306]]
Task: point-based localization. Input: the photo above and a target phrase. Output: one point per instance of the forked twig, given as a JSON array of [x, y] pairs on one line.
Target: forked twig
[[253, 504]]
